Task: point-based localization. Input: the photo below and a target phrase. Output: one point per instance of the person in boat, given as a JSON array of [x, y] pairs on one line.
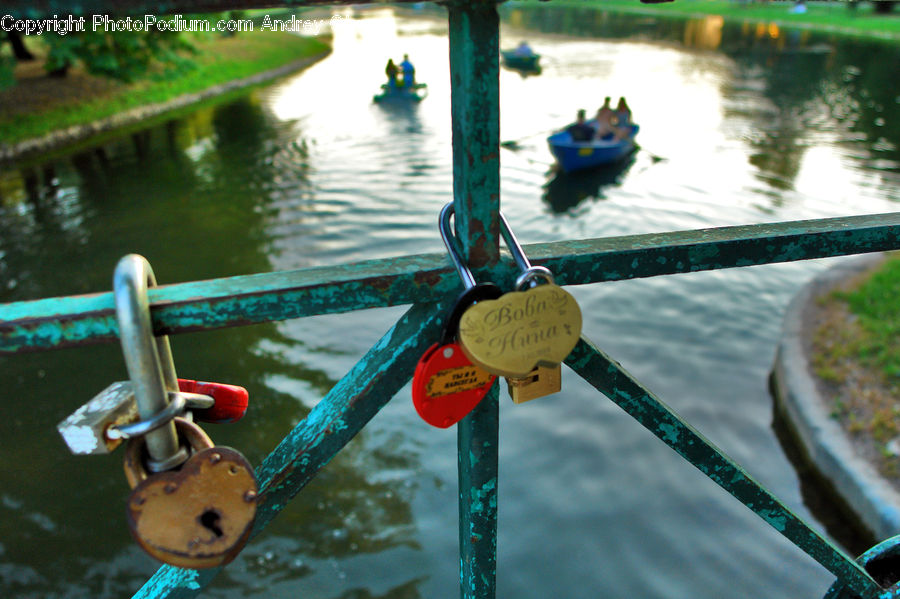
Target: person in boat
[[606, 112], [391, 71], [607, 123], [409, 72], [523, 50], [580, 130], [623, 113]]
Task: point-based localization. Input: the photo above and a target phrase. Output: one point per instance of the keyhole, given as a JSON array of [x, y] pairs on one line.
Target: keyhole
[[210, 521]]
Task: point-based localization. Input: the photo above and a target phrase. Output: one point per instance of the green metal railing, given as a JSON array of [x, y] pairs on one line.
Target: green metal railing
[[430, 284]]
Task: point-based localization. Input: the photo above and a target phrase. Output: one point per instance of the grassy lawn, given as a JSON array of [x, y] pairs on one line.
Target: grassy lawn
[[825, 16], [876, 304], [855, 352], [37, 105]]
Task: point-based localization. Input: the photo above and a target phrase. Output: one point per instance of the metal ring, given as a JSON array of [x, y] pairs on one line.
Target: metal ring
[[134, 466], [534, 272], [193, 401], [142, 427], [179, 401]]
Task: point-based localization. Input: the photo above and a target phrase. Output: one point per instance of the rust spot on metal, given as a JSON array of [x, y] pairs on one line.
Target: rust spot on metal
[[489, 157], [428, 278], [381, 283], [478, 255]]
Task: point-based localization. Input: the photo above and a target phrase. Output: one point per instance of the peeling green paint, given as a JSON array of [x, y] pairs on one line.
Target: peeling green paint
[[669, 433]]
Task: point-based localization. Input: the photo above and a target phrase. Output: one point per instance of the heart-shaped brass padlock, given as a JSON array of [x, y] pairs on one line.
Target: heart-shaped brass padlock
[[512, 335], [199, 516]]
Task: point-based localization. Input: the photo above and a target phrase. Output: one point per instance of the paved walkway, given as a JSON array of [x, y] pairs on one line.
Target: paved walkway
[[826, 445]]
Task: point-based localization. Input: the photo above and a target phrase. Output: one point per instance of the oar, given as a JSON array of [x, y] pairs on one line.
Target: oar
[[515, 144], [654, 157]]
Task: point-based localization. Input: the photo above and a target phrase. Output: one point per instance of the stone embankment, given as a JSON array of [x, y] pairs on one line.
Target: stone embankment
[[800, 398]]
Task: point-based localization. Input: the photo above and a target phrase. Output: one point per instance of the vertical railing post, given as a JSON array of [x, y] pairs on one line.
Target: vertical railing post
[[475, 109]]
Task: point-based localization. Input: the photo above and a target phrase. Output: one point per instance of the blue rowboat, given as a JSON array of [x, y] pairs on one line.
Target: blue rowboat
[[415, 93], [520, 62], [578, 155]]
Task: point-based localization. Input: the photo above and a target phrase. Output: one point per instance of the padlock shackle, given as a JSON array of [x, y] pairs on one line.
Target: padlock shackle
[[529, 272], [450, 242], [513, 245], [147, 358], [134, 463]]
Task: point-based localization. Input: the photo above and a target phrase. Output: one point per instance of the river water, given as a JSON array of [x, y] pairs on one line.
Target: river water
[[739, 124]]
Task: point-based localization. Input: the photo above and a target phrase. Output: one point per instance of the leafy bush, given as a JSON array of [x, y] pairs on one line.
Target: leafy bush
[[125, 56]]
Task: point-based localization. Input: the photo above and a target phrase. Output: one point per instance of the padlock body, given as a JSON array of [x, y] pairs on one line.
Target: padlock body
[[511, 335], [540, 382], [446, 385], [199, 516], [85, 430]]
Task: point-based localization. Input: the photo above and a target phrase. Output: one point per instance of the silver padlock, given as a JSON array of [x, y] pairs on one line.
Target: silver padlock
[[100, 425]]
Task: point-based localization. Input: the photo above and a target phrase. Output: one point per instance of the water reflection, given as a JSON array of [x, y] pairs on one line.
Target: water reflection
[[704, 33], [525, 72], [565, 191]]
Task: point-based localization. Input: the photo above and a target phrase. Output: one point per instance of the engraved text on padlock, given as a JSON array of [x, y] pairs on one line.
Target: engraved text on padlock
[[523, 329]]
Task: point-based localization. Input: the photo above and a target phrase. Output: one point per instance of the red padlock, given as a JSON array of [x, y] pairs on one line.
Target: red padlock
[[231, 400], [446, 386]]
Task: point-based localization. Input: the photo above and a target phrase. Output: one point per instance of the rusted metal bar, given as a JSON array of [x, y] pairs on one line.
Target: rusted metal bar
[[474, 32], [203, 305], [608, 377], [335, 420]]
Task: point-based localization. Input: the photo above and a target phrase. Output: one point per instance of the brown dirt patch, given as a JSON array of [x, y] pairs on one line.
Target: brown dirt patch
[[35, 92]]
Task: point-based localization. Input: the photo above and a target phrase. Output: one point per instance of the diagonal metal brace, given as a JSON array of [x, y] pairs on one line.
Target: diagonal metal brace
[[608, 377]]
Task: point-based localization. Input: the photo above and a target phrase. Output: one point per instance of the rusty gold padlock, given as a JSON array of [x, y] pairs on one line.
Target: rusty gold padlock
[[539, 382], [199, 516]]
